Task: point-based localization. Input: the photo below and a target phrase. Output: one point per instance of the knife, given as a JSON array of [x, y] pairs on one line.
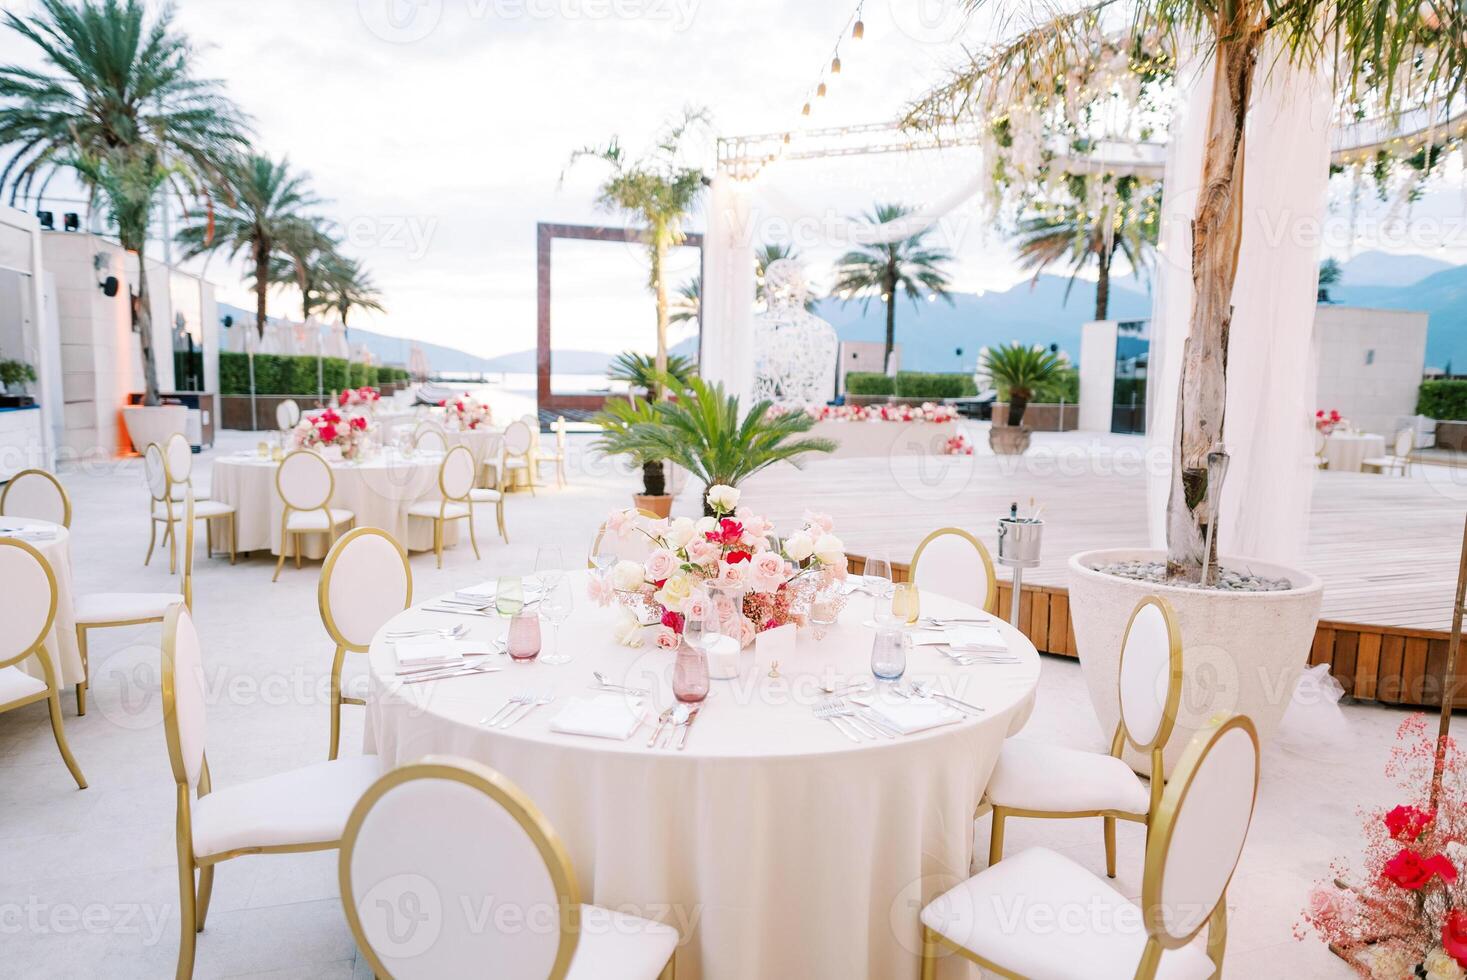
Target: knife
[[692, 717]]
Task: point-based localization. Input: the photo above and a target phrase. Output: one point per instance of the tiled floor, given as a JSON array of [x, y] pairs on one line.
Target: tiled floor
[[88, 879]]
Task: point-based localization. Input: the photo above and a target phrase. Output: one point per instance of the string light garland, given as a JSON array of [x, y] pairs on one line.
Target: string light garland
[[856, 27]]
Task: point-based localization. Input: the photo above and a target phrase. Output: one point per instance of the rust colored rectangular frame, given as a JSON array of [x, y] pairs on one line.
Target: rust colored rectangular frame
[[545, 236]]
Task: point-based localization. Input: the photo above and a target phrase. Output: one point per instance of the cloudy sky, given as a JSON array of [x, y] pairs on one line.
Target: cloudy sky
[[439, 131]]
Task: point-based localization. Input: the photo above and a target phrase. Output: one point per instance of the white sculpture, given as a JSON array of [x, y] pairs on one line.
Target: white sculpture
[[794, 351]]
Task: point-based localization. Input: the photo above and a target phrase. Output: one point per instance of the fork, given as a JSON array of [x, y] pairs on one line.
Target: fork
[[856, 721], [826, 712], [662, 720], [680, 715], [530, 705], [969, 659], [446, 632], [515, 700]]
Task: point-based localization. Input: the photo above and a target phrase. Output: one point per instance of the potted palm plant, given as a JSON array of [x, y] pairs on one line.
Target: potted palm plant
[[705, 433], [620, 422], [1020, 373]]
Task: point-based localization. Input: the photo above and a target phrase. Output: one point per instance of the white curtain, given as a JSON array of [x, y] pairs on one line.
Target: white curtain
[[1264, 511], [726, 354]]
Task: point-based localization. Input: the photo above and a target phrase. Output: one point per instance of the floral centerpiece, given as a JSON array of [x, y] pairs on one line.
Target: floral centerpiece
[[467, 412], [330, 429], [365, 397], [926, 412], [1327, 421], [1400, 911], [733, 551]]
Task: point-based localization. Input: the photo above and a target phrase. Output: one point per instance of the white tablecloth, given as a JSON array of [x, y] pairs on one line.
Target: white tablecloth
[[379, 492], [781, 848], [1346, 450], [61, 641], [483, 443]]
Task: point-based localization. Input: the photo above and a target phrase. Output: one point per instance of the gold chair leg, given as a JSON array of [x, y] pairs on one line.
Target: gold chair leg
[[499, 512], [208, 538], [172, 549], [669, 972], [299, 543], [232, 539], [474, 537], [58, 729], [206, 889], [152, 538], [1110, 846], [81, 689], [995, 839], [560, 473], [1217, 934], [929, 954], [438, 541], [187, 924], [336, 665], [280, 562]]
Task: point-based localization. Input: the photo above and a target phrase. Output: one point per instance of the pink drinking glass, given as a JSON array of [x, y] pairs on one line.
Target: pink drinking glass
[[690, 674], [524, 637]]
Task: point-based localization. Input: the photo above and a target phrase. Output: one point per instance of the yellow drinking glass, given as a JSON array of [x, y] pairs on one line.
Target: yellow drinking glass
[[905, 602]]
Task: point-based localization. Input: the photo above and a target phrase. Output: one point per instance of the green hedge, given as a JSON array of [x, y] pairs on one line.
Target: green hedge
[[916, 384], [1443, 400], [870, 383], [281, 374]]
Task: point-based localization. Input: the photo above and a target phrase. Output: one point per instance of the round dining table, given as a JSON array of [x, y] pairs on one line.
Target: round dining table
[[54, 543], [1345, 451], [379, 491], [774, 843]]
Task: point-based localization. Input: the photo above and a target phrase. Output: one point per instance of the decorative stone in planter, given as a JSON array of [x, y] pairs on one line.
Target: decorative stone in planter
[[1242, 651], [1008, 440], [152, 423]]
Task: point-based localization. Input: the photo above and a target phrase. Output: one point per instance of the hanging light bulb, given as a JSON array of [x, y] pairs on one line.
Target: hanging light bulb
[[805, 111], [858, 31], [835, 65], [820, 91], [786, 139]]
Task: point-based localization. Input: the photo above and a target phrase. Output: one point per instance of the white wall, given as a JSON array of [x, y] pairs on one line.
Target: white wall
[[1097, 374], [1369, 363]]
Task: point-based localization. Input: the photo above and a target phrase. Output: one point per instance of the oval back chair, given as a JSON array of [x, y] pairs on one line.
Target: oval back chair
[[36, 494], [954, 563], [287, 414], [306, 484]]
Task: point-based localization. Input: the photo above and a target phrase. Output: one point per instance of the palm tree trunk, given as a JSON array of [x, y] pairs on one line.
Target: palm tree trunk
[[262, 283], [890, 287], [142, 322], [1102, 283], [1216, 235], [659, 286]]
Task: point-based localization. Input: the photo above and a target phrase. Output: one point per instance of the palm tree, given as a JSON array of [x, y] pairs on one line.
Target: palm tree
[[688, 303], [262, 217], [909, 265], [1072, 233], [640, 372], [116, 101], [350, 287], [307, 260], [658, 190], [1381, 57], [1021, 373]]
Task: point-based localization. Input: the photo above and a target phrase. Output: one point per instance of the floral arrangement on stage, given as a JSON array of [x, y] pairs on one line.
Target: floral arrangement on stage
[[365, 397], [1327, 421], [1400, 911], [926, 412], [329, 429], [958, 445], [694, 565], [467, 412]]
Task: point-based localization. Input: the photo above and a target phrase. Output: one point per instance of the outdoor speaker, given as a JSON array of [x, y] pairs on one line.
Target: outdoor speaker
[[228, 321], [73, 221], [109, 286], [48, 220]]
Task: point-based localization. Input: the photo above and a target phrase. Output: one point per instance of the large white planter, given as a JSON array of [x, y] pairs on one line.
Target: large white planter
[[146, 424], [1241, 651]]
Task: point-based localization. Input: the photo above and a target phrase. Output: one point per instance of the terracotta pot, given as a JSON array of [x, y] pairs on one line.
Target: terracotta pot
[[660, 505], [1008, 440], [152, 423], [1241, 651]]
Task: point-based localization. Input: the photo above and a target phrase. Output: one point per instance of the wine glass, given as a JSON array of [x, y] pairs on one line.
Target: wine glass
[[509, 596], [549, 566], [877, 584], [555, 608]]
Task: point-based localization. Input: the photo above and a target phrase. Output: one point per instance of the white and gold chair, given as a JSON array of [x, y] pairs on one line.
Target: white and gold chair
[[364, 583], [489, 495], [1034, 779], [178, 465], [28, 610], [301, 810], [36, 494], [305, 484], [428, 437], [1071, 923], [454, 831], [954, 563], [1319, 460], [1399, 458], [532, 422], [104, 610], [557, 455], [516, 449], [456, 485], [161, 504], [287, 414], [626, 547]]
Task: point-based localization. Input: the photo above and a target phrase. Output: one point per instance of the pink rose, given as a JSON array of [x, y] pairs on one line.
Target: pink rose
[[703, 552], [756, 528], [1323, 905], [747, 631], [822, 521], [599, 590], [698, 607], [619, 522], [660, 564], [725, 607], [733, 576], [666, 639], [770, 571]]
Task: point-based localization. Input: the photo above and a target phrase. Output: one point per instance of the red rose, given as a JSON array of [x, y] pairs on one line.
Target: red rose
[[1407, 823], [442, 402], [1319, 414], [1413, 872], [734, 557], [672, 620], [732, 530], [330, 417], [359, 422], [327, 433], [1454, 935]]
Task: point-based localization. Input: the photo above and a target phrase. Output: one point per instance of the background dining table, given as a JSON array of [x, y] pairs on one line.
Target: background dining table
[[776, 845], [1345, 451], [60, 643]]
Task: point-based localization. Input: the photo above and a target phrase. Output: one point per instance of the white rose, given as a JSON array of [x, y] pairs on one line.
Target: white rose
[[799, 546], [1441, 966], [723, 498], [628, 576], [680, 532], [830, 549], [705, 524], [628, 631]]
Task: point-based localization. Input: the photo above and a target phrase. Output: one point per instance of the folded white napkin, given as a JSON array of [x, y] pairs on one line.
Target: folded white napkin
[[604, 715], [485, 592], [966, 639], [431, 652], [914, 715]]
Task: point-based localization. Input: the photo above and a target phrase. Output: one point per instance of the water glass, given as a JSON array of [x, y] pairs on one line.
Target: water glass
[[524, 637], [888, 655], [509, 596], [690, 674], [825, 609], [906, 604], [555, 607]]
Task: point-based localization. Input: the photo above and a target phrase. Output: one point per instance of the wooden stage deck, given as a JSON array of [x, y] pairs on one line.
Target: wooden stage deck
[[1386, 548]]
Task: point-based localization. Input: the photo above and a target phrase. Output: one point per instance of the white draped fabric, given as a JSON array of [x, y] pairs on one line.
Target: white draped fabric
[[1265, 504], [727, 312]]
